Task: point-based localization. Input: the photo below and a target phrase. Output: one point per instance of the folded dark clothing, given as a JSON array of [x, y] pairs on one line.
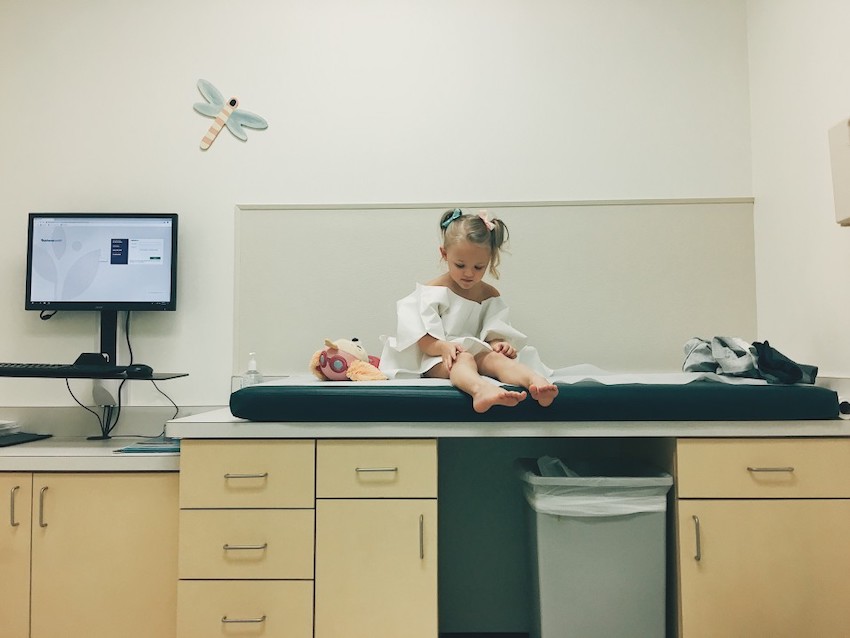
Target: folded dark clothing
[[775, 367]]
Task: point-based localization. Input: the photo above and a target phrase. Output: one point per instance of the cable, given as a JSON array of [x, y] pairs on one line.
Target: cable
[[96, 415], [130, 350], [170, 400], [127, 336], [111, 413]]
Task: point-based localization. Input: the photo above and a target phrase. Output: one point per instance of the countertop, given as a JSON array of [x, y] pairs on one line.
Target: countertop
[[221, 424], [78, 454]]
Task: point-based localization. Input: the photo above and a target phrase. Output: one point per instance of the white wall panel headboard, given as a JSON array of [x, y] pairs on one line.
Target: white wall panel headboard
[[619, 284]]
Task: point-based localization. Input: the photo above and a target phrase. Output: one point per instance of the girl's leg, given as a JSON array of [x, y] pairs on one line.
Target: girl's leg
[[497, 365], [464, 376]]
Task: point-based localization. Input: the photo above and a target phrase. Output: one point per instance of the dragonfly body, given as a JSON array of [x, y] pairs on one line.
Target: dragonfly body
[[225, 114]]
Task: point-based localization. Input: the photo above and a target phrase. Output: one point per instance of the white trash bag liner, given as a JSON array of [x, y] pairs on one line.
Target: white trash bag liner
[[594, 496]]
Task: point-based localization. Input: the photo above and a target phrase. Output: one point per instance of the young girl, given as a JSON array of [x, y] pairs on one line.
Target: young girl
[[456, 326]]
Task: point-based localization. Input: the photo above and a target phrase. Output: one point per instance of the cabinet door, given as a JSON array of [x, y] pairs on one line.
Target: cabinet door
[[16, 493], [376, 568], [104, 555], [771, 568]]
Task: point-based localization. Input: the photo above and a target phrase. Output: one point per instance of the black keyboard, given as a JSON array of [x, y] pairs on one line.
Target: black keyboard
[[59, 370], [21, 437]]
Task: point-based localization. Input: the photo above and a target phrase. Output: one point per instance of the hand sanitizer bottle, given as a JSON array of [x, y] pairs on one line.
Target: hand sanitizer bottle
[[252, 375]]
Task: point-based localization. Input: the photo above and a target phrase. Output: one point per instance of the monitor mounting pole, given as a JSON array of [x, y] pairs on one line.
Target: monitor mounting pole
[[109, 335]]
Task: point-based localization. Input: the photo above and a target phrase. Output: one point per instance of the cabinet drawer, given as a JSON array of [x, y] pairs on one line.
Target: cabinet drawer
[[376, 469], [246, 544], [763, 468], [257, 473], [272, 609]]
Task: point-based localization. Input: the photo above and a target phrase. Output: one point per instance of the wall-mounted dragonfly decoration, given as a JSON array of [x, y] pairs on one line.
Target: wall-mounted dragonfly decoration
[[225, 113]]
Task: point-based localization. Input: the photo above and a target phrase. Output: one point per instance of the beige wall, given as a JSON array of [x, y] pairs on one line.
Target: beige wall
[[378, 101], [800, 87], [621, 285]]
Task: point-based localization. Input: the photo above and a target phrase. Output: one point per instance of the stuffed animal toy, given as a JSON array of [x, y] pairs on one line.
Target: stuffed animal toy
[[345, 360]]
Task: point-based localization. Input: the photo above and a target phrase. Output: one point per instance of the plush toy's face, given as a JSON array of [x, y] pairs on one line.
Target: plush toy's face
[[334, 363]]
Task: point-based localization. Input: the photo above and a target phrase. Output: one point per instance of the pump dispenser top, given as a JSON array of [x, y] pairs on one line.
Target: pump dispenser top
[[252, 375]]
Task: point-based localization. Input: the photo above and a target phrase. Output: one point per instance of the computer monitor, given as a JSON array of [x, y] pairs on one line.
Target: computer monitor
[[104, 262]]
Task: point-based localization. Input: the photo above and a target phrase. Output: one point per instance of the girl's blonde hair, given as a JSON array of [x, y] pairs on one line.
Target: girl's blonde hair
[[457, 226]]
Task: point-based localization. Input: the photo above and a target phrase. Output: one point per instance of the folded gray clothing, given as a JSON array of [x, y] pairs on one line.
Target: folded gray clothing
[[723, 355], [698, 357], [735, 357]]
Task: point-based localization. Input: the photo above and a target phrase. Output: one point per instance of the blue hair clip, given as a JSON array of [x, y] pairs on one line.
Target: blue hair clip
[[455, 214]]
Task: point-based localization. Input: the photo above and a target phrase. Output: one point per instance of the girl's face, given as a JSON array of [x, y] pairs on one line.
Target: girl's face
[[467, 262]]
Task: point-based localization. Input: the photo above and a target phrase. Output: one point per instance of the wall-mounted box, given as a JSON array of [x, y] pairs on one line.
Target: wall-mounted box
[[839, 151]]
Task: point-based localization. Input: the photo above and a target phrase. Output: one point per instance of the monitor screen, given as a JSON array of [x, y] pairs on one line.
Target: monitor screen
[[102, 261]]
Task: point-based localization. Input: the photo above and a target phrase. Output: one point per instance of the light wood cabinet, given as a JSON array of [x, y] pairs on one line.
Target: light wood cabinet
[[376, 539], [15, 534], [103, 556], [270, 609], [376, 568], [240, 474], [302, 538], [247, 531], [762, 537]]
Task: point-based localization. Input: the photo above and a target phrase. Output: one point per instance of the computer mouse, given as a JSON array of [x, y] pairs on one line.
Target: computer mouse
[[139, 371]]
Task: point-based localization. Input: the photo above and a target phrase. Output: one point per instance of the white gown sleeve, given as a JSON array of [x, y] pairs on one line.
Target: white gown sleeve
[[496, 325], [419, 315]]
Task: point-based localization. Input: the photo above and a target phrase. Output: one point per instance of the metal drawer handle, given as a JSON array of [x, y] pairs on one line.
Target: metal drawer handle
[[41, 522], [376, 469], [698, 555], [421, 537], [246, 476], [228, 547], [227, 620], [770, 469], [12, 520]]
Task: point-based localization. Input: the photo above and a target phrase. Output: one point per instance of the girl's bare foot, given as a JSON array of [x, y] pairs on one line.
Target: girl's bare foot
[[490, 395], [543, 393]]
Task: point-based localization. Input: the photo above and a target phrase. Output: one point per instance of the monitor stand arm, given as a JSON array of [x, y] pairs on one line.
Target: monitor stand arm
[[109, 336], [105, 391]]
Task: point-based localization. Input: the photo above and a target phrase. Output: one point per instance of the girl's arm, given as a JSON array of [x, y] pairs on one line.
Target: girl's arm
[[434, 347]]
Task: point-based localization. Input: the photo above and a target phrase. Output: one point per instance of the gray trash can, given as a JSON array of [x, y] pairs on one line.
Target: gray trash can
[[598, 551]]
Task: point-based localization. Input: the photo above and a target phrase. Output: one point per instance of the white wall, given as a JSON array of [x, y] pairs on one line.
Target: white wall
[[799, 54], [619, 286], [372, 101]]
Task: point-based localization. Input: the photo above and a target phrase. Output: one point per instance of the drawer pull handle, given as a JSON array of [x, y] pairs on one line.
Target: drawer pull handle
[[228, 621], [228, 547], [421, 537], [376, 469], [41, 522], [246, 476], [12, 520], [787, 468], [698, 555]]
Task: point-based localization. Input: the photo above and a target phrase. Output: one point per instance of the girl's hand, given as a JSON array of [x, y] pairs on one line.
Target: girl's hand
[[449, 354], [504, 348]]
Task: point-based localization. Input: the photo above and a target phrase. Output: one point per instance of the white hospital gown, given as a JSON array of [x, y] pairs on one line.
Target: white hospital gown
[[437, 311]]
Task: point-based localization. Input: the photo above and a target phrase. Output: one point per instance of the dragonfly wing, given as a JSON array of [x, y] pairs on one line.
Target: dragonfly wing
[[211, 94], [240, 118], [210, 110]]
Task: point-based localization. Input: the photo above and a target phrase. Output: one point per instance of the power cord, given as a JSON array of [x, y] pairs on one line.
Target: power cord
[[111, 413]]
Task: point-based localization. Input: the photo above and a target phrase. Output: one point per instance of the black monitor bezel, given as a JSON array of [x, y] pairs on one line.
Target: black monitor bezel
[[171, 304]]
